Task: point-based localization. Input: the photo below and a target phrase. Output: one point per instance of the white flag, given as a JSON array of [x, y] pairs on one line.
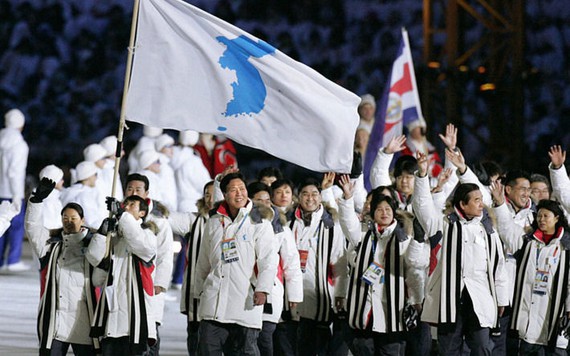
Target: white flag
[[192, 70]]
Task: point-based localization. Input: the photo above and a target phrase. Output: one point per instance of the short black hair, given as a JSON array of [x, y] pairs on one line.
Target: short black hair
[[485, 170], [309, 181], [380, 189], [206, 186], [256, 187], [405, 164], [462, 194], [556, 209], [512, 176], [73, 206], [281, 182], [270, 172], [378, 198], [143, 204], [138, 177], [539, 178], [228, 178]]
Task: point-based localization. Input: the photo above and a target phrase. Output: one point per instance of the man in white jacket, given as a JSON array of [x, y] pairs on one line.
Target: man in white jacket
[[235, 273], [138, 185], [467, 288], [124, 318], [13, 161], [288, 286]]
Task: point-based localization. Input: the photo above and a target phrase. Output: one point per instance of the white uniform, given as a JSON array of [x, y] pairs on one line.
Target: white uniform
[[191, 177], [13, 162], [73, 312], [481, 255], [226, 288]]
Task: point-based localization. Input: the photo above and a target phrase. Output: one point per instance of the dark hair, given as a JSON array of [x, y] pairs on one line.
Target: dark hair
[[256, 187], [281, 182], [380, 189], [462, 194], [512, 176], [556, 209], [485, 170], [378, 198], [534, 178], [309, 181], [143, 204], [73, 206], [270, 172], [206, 186], [228, 178], [405, 164], [140, 178]]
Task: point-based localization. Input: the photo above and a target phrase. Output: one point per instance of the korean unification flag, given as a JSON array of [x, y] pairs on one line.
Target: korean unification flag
[[192, 70], [400, 106]]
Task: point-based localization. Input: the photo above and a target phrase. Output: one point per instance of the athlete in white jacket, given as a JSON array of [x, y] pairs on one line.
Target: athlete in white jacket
[[467, 287], [235, 273]]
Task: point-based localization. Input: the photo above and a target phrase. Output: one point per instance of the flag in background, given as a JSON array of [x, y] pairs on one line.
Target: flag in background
[[192, 70], [399, 106]]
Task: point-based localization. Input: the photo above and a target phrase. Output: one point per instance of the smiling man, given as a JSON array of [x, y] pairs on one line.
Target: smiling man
[[234, 273], [321, 246], [467, 286]]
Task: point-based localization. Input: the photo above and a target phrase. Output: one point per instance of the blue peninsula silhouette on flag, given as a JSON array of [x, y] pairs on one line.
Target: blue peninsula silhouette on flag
[[249, 91]]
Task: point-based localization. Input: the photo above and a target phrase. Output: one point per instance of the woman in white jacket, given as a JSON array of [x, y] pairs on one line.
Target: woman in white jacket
[[541, 295], [382, 281], [67, 258]]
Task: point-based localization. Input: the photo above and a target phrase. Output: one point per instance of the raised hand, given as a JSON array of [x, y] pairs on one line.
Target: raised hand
[[423, 163], [450, 138], [557, 156], [497, 192], [232, 168], [347, 186], [328, 180], [43, 190], [442, 178], [456, 157], [396, 144]]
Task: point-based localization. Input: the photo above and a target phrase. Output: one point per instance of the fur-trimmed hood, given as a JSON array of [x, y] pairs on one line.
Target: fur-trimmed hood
[[159, 209]]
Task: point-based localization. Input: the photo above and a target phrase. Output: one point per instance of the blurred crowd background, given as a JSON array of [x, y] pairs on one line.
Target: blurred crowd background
[[63, 62]]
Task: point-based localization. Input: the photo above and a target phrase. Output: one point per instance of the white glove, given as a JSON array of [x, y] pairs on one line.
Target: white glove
[[9, 210], [16, 204]]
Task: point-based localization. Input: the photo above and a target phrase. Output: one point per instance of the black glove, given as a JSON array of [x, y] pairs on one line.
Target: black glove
[[43, 190], [564, 326], [411, 317], [114, 206], [356, 169], [108, 225]]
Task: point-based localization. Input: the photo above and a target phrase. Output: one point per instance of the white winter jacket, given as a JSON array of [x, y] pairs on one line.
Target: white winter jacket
[[226, 289], [13, 162], [288, 272], [73, 321], [164, 260], [131, 239], [191, 176], [326, 267], [481, 259]]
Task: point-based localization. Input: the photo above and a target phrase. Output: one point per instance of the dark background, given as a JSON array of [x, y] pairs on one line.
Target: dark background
[[62, 63]]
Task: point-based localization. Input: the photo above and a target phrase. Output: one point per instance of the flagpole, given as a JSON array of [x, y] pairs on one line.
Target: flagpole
[[122, 125]]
